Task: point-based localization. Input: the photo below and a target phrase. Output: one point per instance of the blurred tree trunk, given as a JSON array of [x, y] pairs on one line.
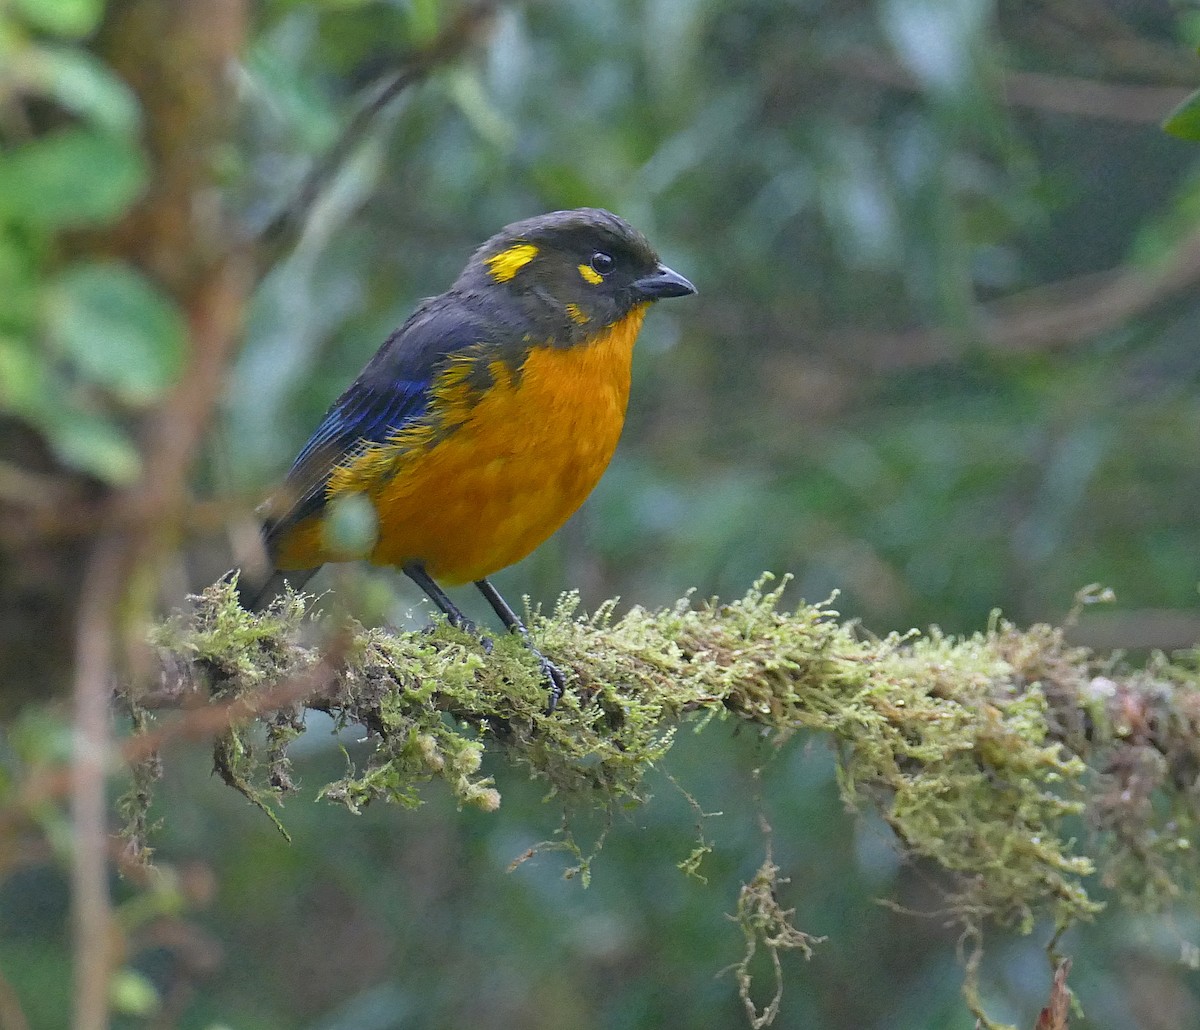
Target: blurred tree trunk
[[39, 575], [177, 57]]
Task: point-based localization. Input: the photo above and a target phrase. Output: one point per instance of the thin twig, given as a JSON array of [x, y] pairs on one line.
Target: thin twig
[[1045, 317], [1134, 103], [192, 516], [317, 685], [211, 287], [463, 31], [92, 907], [206, 722], [1090, 98], [1095, 29], [214, 313]]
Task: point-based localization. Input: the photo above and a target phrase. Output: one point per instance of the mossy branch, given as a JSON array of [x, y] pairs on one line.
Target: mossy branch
[[989, 755]]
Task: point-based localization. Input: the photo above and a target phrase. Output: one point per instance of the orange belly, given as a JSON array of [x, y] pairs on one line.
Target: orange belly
[[523, 455]]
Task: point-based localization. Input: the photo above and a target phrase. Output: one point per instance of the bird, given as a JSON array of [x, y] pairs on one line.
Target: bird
[[482, 423]]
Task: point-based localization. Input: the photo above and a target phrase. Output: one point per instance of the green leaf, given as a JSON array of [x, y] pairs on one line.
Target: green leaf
[[119, 331], [1187, 28], [40, 736], [64, 17], [75, 177], [467, 89], [938, 41], [94, 444], [22, 378], [299, 107], [423, 18], [133, 994], [18, 286], [1184, 121], [80, 83]]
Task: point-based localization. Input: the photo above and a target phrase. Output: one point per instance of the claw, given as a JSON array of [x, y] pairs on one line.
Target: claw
[[467, 626], [558, 682], [550, 672]]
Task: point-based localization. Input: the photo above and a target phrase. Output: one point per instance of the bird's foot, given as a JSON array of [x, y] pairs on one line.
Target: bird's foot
[[553, 676], [551, 673], [471, 629]]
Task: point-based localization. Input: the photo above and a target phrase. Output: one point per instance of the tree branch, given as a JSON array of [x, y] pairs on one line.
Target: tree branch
[[1134, 103], [1045, 317], [91, 907], [175, 57], [462, 32], [976, 751], [981, 753]]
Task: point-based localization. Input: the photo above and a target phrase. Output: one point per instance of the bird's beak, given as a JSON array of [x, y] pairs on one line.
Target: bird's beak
[[663, 282]]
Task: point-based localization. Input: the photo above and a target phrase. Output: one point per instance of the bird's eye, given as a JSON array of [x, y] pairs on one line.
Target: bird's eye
[[602, 263]]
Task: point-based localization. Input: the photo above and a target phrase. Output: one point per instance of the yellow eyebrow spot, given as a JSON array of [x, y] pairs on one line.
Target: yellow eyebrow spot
[[506, 264], [591, 275], [576, 313]]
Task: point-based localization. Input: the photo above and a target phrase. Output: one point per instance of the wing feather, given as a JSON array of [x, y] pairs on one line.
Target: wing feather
[[390, 394]]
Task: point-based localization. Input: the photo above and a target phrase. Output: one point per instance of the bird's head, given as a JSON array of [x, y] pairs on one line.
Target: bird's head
[[572, 272]]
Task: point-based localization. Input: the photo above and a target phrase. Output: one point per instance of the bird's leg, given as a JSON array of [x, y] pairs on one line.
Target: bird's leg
[[550, 671], [416, 572]]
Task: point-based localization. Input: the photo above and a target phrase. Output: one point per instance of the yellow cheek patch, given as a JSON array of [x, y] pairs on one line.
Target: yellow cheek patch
[[590, 275], [576, 313], [506, 264]]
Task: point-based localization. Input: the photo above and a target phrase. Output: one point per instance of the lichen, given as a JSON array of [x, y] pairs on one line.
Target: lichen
[[135, 803], [766, 924]]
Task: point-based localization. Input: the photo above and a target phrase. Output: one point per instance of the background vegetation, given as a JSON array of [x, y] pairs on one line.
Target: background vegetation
[[943, 360]]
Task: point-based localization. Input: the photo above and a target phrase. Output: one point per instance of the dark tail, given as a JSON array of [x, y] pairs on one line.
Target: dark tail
[[255, 594]]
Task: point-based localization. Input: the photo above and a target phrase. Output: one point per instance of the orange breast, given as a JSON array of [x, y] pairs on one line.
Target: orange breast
[[526, 452]]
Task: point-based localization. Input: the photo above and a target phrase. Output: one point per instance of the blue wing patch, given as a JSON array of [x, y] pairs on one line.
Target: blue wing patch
[[363, 416], [391, 392], [359, 417]]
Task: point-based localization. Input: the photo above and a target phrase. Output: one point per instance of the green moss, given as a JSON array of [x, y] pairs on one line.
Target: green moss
[[980, 752], [134, 805]]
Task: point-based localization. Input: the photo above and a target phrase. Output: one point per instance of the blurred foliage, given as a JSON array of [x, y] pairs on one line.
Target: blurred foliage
[[1184, 121], [875, 197], [73, 162], [811, 206]]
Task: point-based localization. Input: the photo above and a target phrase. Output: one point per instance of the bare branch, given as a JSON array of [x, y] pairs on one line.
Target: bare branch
[[91, 906], [1095, 29], [1040, 91], [187, 114], [1090, 98], [1057, 1013], [463, 32], [1045, 317]]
